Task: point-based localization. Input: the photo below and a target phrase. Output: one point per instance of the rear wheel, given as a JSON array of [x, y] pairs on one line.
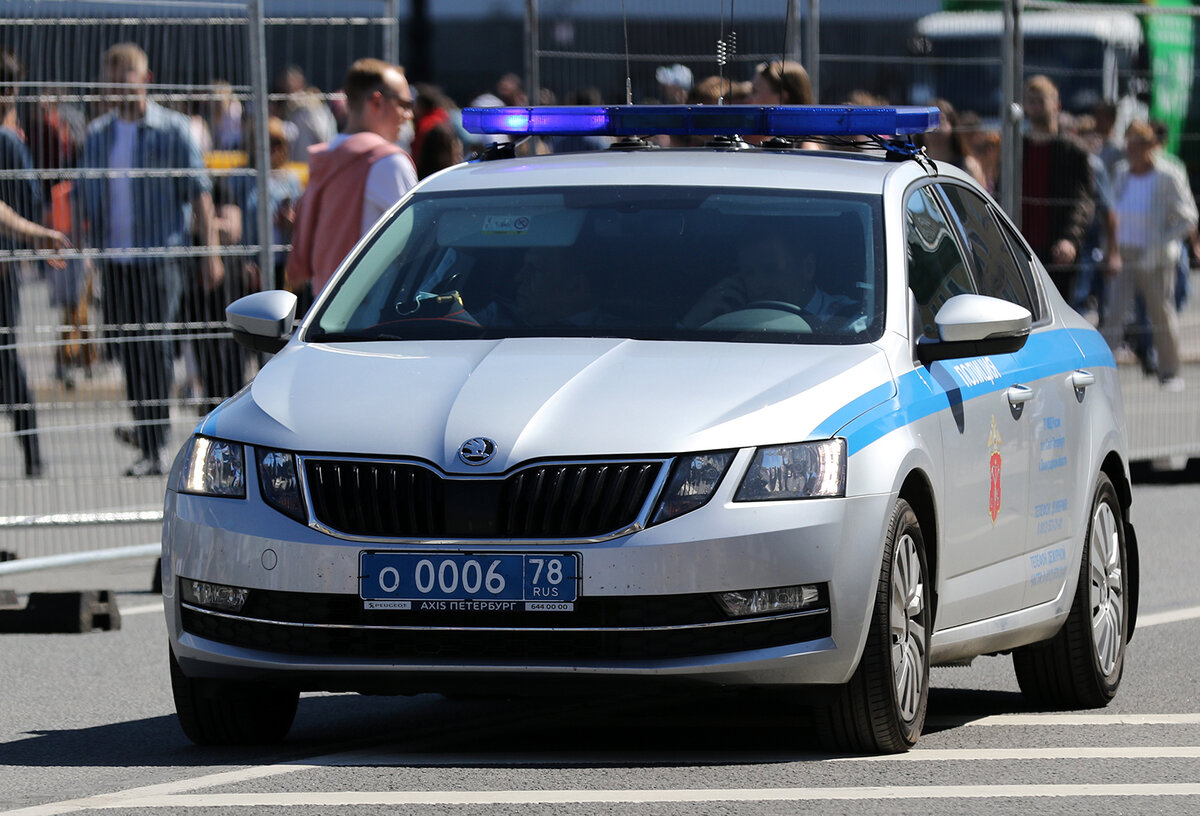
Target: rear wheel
[[1081, 666], [225, 712], [882, 708]]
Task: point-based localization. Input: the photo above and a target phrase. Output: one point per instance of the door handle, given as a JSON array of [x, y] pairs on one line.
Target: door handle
[[1018, 394], [1081, 379]]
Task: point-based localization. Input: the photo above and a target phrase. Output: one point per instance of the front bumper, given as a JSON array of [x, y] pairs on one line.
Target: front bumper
[[645, 607]]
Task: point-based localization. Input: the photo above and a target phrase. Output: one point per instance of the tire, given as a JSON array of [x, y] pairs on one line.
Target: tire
[[882, 708], [224, 712], [1081, 666]]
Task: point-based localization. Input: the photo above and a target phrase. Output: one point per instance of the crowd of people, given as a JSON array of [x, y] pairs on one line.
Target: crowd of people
[[1113, 222]]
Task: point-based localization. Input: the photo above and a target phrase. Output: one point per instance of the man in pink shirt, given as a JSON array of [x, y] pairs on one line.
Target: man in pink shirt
[[356, 177]]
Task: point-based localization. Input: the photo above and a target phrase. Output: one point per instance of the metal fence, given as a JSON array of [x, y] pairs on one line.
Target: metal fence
[[72, 426], [214, 62]]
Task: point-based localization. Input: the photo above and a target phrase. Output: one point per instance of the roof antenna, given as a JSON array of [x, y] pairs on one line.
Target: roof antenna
[[787, 38], [628, 75], [726, 49]]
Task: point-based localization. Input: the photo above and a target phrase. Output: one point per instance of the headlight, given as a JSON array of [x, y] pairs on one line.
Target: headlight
[[280, 484], [693, 480], [213, 467], [806, 470]]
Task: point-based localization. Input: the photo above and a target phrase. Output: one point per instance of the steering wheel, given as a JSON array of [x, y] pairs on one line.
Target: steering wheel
[[731, 321], [779, 306], [815, 321]]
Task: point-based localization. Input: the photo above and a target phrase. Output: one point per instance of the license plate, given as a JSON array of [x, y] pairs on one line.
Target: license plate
[[469, 582]]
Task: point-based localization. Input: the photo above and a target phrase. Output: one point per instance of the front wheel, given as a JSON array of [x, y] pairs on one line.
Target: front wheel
[[882, 708], [225, 712], [1081, 666]]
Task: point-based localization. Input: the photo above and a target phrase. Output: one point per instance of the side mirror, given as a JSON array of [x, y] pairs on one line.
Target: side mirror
[[975, 325], [262, 321]]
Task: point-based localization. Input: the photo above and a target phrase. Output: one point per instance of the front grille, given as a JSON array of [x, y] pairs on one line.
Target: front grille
[[378, 499], [599, 628]]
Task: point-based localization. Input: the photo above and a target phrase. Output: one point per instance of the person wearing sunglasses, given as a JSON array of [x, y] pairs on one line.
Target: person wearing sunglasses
[[356, 177]]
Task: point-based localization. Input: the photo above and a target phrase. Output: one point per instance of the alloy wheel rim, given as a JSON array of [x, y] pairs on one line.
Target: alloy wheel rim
[[907, 624], [1107, 588]]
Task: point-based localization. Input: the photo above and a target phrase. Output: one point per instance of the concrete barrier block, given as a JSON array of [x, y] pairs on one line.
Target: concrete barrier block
[[63, 612]]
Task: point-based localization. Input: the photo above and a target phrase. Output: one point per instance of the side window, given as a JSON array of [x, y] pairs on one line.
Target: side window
[[937, 270], [997, 270], [1026, 265]]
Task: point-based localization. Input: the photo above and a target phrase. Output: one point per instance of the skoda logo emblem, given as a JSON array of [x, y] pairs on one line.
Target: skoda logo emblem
[[477, 451]]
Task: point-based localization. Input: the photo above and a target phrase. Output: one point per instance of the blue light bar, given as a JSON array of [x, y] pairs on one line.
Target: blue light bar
[[702, 120]]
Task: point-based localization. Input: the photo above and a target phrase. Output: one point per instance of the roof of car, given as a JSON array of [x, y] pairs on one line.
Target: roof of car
[[708, 167]]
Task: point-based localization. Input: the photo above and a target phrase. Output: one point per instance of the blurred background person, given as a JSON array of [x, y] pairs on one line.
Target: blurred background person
[[674, 83], [442, 148], [356, 177], [284, 189], [308, 117], [949, 144], [20, 196], [128, 212], [780, 83], [1155, 209], [1056, 186]]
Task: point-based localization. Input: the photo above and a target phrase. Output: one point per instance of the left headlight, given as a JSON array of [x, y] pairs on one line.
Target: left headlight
[[805, 470], [692, 482], [213, 467]]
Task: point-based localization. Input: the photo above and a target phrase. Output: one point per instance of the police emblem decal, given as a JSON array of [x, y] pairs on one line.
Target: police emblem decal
[[994, 443], [478, 450]]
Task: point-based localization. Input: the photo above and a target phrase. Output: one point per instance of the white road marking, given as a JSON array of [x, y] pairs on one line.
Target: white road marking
[[145, 609], [163, 789], [1169, 616], [1071, 719], [179, 794], [1003, 754], [532, 797]]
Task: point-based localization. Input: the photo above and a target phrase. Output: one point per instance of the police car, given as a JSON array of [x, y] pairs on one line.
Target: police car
[[807, 420]]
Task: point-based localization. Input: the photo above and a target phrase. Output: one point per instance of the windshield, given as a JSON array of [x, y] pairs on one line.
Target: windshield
[[646, 262]]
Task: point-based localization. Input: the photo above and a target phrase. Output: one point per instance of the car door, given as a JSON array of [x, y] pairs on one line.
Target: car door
[[986, 437], [1052, 416]]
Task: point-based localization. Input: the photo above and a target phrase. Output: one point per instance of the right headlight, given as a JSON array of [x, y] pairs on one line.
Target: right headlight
[[804, 470], [213, 467]]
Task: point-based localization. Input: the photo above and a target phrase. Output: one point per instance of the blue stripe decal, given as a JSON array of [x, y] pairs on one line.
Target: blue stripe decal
[[848, 412], [1094, 347], [924, 392]]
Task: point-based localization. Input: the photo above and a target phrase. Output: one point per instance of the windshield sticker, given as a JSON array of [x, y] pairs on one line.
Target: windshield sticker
[[505, 224], [994, 443]]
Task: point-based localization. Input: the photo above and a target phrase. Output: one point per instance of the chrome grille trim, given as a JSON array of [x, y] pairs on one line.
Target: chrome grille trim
[[807, 613]]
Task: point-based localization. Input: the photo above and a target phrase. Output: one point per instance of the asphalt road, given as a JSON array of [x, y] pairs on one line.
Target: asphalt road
[[87, 723]]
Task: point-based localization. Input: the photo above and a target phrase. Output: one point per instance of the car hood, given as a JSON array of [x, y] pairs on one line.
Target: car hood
[[538, 397]]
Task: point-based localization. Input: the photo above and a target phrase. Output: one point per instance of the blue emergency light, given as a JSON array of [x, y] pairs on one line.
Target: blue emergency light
[[702, 120]]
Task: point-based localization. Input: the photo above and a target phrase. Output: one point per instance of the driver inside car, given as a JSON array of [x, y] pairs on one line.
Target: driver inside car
[[771, 274]]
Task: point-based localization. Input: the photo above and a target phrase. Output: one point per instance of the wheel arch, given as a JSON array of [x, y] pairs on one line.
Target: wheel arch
[[918, 492], [1116, 471]]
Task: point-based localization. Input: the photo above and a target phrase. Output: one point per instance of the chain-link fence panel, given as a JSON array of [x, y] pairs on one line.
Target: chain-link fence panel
[[131, 129]]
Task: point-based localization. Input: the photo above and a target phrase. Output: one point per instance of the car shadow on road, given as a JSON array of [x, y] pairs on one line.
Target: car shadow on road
[[431, 730]]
